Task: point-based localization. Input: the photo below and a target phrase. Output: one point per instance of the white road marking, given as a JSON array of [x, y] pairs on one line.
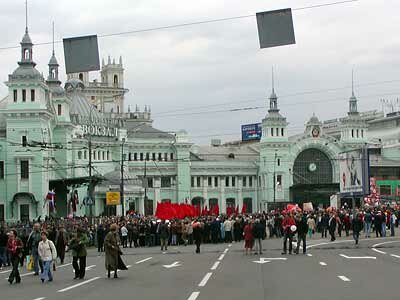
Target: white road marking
[[322, 263], [112, 272], [384, 243], [357, 257], [6, 271], [221, 257], [173, 265], [78, 284], [215, 265], [41, 298], [88, 268], [309, 254], [194, 296], [230, 245], [143, 260], [344, 278], [379, 251], [226, 250], [275, 258], [261, 261], [394, 255], [203, 282]]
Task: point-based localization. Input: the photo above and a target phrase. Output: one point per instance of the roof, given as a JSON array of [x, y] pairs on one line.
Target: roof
[[143, 130], [26, 71], [26, 38], [53, 60], [228, 152]]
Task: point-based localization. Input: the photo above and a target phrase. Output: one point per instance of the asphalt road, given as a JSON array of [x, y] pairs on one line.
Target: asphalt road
[[339, 270]]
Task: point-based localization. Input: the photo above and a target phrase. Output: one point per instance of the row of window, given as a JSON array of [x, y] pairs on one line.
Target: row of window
[[24, 169], [96, 155], [357, 133], [276, 132], [386, 190], [150, 156], [166, 182], [230, 181], [24, 94]]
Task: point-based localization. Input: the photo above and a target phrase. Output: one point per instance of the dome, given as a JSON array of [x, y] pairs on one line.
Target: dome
[[26, 71], [314, 120]]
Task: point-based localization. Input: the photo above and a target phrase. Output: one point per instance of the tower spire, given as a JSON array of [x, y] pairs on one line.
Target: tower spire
[[353, 100], [26, 16], [273, 99], [273, 83], [352, 82], [53, 37]]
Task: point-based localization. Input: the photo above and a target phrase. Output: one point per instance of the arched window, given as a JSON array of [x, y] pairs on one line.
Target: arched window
[[272, 132], [357, 133], [282, 131], [53, 73], [80, 76], [108, 155], [115, 80], [362, 133], [27, 54], [352, 133], [79, 154]]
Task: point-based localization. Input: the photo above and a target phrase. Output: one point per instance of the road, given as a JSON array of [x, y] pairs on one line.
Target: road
[[339, 270]]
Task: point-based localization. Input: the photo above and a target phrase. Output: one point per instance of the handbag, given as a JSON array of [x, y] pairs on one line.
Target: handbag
[[29, 263]]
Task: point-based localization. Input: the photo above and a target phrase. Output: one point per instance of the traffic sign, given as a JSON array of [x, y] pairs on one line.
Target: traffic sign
[[113, 198]]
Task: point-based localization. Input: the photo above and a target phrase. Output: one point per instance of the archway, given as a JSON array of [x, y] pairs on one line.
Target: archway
[[198, 201]]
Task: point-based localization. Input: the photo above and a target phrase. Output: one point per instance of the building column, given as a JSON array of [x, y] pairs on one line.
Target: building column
[[240, 193], [205, 194], [141, 205], [222, 197]]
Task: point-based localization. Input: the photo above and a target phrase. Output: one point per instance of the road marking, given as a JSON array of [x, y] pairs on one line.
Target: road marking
[[203, 282], [31, 273], [215, 265], [173, 265], [221, 257], [344, 278], [261, 261], [230, 245], [6, 271], [194, 296], [384, 243], [41, 298], [90, 267], [143, 260], [394, 255], [379, 251], [77, 285], [226, 250], [357, 257], [322, 263], [275, 258], [309, 254]]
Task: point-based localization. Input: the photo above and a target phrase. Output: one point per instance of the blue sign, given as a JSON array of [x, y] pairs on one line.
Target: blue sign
[[251, 132]]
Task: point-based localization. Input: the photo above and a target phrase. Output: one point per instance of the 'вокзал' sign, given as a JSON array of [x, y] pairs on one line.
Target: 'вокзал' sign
[[99, 130]]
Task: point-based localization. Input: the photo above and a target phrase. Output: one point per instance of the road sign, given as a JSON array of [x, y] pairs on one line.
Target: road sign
[[113, 198], [173, 265]]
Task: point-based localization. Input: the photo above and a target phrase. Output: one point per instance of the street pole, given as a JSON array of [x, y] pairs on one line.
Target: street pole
[[122, 178], [274, 178], [145, 187]]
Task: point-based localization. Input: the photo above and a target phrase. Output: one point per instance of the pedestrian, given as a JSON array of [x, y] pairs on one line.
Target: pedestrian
[[33, 243], [311, 226], [368, 223], [248, 237], [357, 226], [113, 261], [78, 246], [332, 226], [197, 234], [258, 233], [15, 248], [124, 235], [61, 243], [228, 230], [378, 223], [287, 224], [48, 255], [163, 231], [302, 229], [324, 225], [3, 247], [100, 234], [393, 220]]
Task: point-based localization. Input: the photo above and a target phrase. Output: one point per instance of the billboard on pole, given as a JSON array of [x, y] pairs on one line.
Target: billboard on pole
[[354, 173]]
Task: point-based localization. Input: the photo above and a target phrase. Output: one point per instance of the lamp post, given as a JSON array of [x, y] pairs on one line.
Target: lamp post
[[90, 192], [122, 177], [275, 176]]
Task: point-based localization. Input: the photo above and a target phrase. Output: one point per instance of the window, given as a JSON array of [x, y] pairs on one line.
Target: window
[[165, 181], [227, 181], [362, 133], [24, 141], [272, 132], [108, 155], [165, 156], [216, 181], [159, 156], [79, 154], [104, 155], [233, 181], [130, 156], [279, 162], [198, 181], [279, 180], [24, 169], [282, 131], [153, 157], [15, 95], [385, 189], [141, 156], [244, 181], [2, 213], [192, 181], [84, 154], [209, 181], [115, 80], [147, 156], [23, 95], [94, 155], [24, 212], [32, 95], [357, 133], [250, 181], [352, 133], [59, 109], [80, 76], [1, 169], [149, 182], [171, 156], [135, 156]]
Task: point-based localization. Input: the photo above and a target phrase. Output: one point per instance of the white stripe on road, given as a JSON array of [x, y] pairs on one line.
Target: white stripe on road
[[215, 265], [322, 263], [221, 257], [226, 250], [41, 298], [194, 296], [143, 260], [344, 278], [384, 243], [230, 245], [379, 251], [6, 271], [394, 255], [77, 285], [309, 254], [357, 257], [203, 282]]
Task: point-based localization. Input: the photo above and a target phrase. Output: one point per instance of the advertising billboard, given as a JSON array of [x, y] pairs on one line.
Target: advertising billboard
[[251, 132], [354, 173], [113, 198]]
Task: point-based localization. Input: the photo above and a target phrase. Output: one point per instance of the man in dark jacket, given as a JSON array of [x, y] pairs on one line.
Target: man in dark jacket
[[258, 234], [302, 229], [198, 230], [163, 232], [101, 234], [324, 224], [357, 226], [332, 226]]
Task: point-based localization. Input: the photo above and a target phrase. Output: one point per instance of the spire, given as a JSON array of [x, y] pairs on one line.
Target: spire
[[102, 62], [26, 43], [353, 100], [53, 64], [273, 99], [109, 60], [26, 16], [120, 60]]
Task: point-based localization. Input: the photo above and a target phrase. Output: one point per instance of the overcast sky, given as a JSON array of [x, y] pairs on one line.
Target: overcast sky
[[220, 65]]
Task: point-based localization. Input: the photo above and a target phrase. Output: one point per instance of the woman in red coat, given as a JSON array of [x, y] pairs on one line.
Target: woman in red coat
[[248, 237]]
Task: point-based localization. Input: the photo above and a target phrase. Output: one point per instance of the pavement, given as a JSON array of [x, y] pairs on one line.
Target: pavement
[[329, 270]]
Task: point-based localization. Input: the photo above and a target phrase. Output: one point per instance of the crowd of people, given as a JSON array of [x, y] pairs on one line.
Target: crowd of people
[[40, 244]]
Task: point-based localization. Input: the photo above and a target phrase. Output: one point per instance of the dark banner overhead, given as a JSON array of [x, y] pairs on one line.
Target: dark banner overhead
[[81, 54]]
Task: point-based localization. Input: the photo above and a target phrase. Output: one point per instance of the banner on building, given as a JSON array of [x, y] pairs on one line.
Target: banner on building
[[113, 198], [354, 173], [251, 132]]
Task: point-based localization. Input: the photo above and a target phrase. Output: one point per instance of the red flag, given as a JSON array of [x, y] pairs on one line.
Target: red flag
[[244, 208]]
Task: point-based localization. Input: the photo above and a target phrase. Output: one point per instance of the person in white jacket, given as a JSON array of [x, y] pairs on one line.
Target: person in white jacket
[[48, 254]]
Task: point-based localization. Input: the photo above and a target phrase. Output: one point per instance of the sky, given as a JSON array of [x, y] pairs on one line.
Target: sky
[[190, 76]]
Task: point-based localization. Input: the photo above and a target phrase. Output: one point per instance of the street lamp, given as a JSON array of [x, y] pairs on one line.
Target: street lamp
[[122, 176]]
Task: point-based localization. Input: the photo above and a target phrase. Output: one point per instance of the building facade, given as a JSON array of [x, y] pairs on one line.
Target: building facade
[[79, 142]]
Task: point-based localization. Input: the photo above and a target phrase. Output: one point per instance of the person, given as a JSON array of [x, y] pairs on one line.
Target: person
[[163, 231], [197, 234], [357, 226], [48, 254], [393, 220], [368, 223], [113, 260], [3, 247], [332, 226], [378, 223], [129, 226], [124, 235], [61, 243], [248, 237], [78, 246], [324, 225], [33, 243], [100, 238], [311, 226], [228, 230], [287, 223], [15, 248], [258, 234], [302, 229]]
